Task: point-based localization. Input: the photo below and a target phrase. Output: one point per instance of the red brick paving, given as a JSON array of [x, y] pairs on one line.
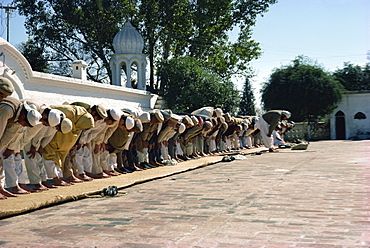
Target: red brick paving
[[314, 198]]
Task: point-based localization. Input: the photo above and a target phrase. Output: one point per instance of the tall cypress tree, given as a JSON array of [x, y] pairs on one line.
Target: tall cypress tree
[[246, 106]]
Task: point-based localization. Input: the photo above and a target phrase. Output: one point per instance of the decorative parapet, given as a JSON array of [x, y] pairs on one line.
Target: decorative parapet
[[301, 131], [55, 89]]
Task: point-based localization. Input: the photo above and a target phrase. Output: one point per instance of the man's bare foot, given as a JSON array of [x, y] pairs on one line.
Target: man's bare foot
[[19, 190], [39, 186], [197, 155], [79, 177], [73, 179], [103, 175], [3, 197], [60, 182], [89, 174], [110, 173], [66, 180], [26, 188], [85, 177], [137, 168], [273, 150], [7, 193], [48, 185]]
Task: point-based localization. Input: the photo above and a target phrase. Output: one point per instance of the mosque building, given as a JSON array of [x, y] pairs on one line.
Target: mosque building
[[128, 65]]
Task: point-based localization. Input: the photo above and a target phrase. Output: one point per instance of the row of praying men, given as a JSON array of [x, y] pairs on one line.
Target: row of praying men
[[59, 145]]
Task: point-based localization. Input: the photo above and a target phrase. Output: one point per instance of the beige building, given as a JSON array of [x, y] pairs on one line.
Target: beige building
[[351, 119]]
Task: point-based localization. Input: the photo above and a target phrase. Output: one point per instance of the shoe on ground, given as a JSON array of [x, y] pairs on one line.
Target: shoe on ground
[[127, 170], [147, 165], [158, 164], [140, 166], [119, 170], [154, 164]]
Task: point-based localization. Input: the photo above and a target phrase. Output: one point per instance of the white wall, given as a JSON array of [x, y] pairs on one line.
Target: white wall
[[54, 89]]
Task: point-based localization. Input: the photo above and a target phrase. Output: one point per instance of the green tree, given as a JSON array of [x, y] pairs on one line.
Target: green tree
[[205, 35], [161, 23], [303, 88], [246, 106], [73, 29], [354, 77], [36, 55], [191, 86]]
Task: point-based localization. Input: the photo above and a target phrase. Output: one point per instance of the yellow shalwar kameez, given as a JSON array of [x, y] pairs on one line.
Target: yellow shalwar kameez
[[58, 148]]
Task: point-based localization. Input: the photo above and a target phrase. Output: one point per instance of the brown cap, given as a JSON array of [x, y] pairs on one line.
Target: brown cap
[[187, 121], [195, 120], [227, 117], [221, 119], [157, 113], [100, 110], [6, 87], [166, 113], [224, 126], [218, 112], [175, 118], [138, 126]]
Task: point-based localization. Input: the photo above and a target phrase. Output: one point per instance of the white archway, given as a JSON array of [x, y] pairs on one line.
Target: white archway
[[128, 60], [15, 67]]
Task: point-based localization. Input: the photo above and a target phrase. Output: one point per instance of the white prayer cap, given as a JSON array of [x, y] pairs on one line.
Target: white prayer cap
[[207, 125], [66, 125], [181, 128], [33, 116], [218, 112], [129, 123], [116, 114], [145, 117], [286, 113], [54, 117]]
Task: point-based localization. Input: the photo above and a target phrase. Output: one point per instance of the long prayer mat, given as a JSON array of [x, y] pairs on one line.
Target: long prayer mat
[[29, 202]]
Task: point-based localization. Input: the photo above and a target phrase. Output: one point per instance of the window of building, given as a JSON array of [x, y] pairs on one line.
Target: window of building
[[360, 115]]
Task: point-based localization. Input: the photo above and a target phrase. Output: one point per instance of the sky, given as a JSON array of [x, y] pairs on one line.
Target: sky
[[330, 32]]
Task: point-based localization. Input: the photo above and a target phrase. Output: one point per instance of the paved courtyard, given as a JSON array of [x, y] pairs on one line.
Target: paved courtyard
[[314, 198]]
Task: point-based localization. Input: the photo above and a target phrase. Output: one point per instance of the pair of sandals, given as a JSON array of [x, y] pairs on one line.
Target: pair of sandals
[[228, 158], [110, 191], [285, 146]]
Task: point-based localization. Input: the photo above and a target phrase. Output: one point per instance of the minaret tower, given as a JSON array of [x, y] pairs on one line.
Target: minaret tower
[[128, 46]]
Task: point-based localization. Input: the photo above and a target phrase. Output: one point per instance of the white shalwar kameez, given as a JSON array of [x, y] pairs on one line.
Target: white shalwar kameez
[[263, 126]]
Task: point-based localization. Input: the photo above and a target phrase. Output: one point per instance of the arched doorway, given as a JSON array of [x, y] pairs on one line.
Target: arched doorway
[[340, 126], [123, 74]]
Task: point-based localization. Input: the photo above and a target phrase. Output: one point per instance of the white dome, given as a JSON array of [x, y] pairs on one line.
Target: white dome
[[128, 40]]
